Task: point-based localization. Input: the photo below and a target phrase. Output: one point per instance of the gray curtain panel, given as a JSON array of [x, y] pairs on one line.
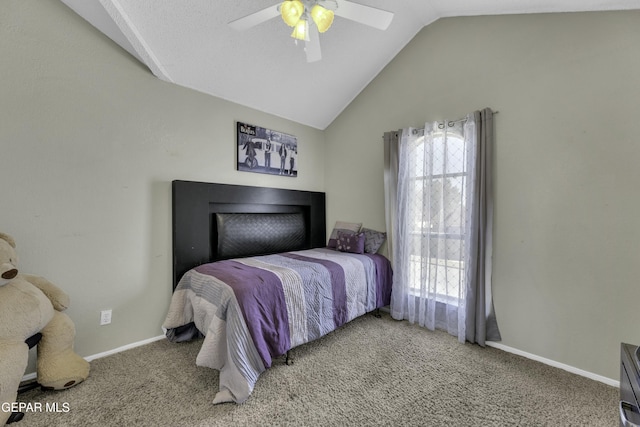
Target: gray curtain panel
[[481, 323], [391, 146]]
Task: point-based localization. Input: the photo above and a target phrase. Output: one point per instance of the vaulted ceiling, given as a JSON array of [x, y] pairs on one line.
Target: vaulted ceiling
[[189, 43]]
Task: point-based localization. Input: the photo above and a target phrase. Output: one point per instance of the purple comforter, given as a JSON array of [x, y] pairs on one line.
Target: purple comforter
[[284, 300]]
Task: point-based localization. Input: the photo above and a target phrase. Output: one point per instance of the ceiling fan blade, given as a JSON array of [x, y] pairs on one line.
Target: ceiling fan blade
[[312, 46], [366, 15], [255, 18]]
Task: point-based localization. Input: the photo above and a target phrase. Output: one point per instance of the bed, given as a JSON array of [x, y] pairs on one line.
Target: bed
[[253, 276]]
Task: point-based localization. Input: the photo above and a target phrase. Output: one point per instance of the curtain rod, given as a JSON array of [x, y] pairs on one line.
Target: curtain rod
[[450, 123], [441, 124]]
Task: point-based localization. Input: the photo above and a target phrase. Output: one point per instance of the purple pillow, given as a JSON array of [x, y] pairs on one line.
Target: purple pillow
[[346, 227], [373, 240], [350, 242]]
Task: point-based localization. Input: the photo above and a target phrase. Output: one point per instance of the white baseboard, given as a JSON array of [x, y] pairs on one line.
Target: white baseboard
[[123, 348], [32, 375], [574, 370], [29, 377]]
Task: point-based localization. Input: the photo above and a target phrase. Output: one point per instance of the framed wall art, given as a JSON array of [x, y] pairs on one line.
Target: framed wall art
[[267, 151]]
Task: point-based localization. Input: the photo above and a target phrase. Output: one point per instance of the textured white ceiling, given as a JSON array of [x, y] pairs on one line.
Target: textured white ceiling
[[188, 42]]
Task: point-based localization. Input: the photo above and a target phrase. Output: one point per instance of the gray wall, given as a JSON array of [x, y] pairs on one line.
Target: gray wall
[[567, 87], [91, 141]]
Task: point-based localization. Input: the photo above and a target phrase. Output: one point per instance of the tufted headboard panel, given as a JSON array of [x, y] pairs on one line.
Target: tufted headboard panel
[[246, 234]]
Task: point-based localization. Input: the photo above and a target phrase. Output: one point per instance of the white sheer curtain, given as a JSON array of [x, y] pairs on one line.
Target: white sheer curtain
[[435, 227]]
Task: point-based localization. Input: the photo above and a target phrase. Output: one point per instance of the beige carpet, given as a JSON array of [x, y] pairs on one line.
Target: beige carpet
[[371, 372]]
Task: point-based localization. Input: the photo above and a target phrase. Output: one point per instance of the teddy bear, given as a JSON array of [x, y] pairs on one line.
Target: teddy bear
[[28, 305]]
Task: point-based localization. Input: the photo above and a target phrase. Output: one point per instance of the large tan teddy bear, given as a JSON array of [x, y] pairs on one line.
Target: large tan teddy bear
[[28, 305]]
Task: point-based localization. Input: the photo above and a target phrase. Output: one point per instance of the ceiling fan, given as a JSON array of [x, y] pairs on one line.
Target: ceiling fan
[[311, 17]]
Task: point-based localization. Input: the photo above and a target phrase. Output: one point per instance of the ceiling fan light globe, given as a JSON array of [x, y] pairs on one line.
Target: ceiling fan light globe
[[322, 17], [301, 30], [291, 11]]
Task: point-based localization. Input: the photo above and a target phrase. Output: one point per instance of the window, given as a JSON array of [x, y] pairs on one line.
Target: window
[[439, 202], [437, 212]]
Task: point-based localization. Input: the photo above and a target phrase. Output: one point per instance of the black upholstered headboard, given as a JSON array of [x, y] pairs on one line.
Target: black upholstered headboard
[[246, 234], [220, 221]]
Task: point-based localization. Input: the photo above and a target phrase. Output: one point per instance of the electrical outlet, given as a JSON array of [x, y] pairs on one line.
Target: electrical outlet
[[105, 317]]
